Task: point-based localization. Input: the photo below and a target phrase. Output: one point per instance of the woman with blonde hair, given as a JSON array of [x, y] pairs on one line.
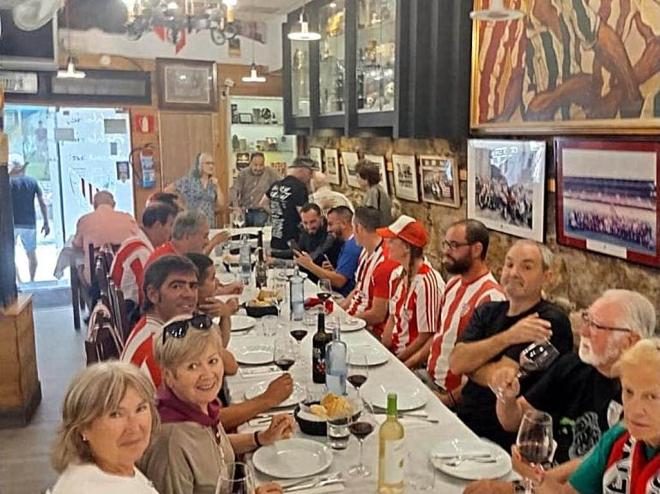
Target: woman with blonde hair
[[108, 418], [192, 451]]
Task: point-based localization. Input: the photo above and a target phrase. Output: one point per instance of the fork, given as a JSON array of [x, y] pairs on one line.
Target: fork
[[459, 461], [319, 482]]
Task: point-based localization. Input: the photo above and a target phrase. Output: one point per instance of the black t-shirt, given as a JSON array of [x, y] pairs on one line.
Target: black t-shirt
[[319, 244], [477, 407], [583, 404], [286, 196], [23, 191]]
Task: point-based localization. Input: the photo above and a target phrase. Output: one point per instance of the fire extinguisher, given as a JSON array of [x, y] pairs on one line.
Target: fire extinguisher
[[147, 169]]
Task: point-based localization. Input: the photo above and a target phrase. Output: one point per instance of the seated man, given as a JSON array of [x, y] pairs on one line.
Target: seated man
[[170, 290], [579, 391], [499, 331], [315, 239], [369, 300], [342, 278], [170, 198]]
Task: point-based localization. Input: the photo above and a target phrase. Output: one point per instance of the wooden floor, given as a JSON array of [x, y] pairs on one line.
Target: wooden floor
[[25, 453]]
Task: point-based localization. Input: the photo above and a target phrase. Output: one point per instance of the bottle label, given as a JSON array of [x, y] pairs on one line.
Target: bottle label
[[393, 459]]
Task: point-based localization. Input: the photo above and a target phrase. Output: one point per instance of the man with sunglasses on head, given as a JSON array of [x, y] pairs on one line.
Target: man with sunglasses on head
[[578, 390]]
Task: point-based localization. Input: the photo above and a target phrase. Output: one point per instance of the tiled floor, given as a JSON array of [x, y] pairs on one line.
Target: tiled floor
[[25, 453]]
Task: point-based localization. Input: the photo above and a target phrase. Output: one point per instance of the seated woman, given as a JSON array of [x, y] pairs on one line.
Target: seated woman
[[192, 449], [627, 457], [108, 418]]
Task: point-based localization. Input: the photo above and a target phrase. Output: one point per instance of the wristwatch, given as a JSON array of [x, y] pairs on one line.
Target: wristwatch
[[518, 487]]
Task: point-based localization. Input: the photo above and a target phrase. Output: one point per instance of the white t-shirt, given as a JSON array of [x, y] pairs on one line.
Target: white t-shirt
[[90, 479]]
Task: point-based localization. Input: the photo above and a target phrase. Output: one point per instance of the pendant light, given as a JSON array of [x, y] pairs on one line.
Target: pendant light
[[254, 76], [71, 72], [496, 13], [302, 32]]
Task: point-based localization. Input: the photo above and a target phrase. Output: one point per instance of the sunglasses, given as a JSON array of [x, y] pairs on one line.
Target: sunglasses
[[179, 329]]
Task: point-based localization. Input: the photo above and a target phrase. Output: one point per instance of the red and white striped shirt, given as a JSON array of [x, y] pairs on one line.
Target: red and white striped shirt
[[416, 309], [139, 349], [128, 267], [459, 301]]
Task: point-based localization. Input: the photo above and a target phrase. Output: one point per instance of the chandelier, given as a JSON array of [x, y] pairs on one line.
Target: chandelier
[[177, 17]]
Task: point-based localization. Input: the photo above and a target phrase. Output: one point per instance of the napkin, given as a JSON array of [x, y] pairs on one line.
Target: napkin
[[314, 301]]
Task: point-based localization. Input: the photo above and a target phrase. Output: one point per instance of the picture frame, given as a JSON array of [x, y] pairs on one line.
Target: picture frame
[[245, 118], [350, 160], [568, 88], [506, 186], [331, 166], [380, 162], [316, 154], [439, 180], [608, 197], [406, 185], [188, 85]]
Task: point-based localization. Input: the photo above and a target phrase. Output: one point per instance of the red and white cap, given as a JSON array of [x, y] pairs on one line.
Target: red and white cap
[[407, 229]]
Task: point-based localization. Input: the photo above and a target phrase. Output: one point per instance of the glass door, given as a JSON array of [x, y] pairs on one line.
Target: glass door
[[332, 62]]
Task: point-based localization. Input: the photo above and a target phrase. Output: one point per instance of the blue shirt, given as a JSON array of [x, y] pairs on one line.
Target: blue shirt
[[347, 264]]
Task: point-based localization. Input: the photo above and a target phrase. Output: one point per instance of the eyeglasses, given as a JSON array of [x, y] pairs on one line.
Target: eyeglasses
[[588, 321], [454, 245], [179, 329]]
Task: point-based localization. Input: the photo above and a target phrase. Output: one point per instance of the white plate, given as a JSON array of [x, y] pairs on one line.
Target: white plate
[[352, 324], [469, 469], [293, 458], [409, 397], [296, 397], [374, 355], [241, 323], [251, 351]]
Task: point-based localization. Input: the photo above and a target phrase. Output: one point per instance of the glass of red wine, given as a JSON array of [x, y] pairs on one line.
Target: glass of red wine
[[358, 369], [534, 441], [361, 426], [284, 353], [325, 291], [299, 333]]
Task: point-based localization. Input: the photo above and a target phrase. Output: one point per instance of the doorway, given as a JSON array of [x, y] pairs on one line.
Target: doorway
[[72, 153]]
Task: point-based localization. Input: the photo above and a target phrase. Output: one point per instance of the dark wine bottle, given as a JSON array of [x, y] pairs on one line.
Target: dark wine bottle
[[261, 269], [319, 342]]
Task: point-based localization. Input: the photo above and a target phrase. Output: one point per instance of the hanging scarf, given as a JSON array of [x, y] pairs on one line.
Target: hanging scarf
[[173, 409]]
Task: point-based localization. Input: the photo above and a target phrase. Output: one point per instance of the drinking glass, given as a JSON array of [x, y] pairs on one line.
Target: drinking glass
[[284, 352], [238, 218], [361, 426], [358, 369], [242, 482], [534, 441], [338, 431], [299, 333], [269, 325], [325, 290]]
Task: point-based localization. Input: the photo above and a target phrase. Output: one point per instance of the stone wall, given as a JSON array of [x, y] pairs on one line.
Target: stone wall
[[578, 276]]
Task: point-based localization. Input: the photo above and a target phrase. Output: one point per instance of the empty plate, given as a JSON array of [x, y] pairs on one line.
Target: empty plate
[[241, 323], [352, 324], [292, 458], [485, 460], [296, 397], [251, 351], [367, 355], [409, 396]]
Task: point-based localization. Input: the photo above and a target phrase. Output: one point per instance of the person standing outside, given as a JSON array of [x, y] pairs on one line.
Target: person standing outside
[[23, 191], [250, 186], [200, 188]]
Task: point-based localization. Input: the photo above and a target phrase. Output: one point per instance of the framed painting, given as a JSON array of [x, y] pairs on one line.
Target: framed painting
[[350, 159], [572, 67], [316, 154], [506, 186], [440, 182], [405, 177], [607, 197], [188, 85], [332, 166], [380, 162]]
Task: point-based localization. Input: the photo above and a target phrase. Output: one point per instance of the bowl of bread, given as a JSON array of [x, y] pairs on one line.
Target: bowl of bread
[[264, 303], [312, 417]]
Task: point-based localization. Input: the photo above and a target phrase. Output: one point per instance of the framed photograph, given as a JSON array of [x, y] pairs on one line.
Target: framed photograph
[[350, 159], [186, 85], [380, 161], [245, 118], [506, 186], [608, 197], [585, 80], [405, 177], [316, 154], [332, 166], [440, 183]]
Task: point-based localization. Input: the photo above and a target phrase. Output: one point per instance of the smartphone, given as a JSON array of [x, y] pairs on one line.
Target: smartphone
[[293, 245]]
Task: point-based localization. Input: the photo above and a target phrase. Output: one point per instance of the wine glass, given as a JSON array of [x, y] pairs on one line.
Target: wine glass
[[325, 290], [534, 441], [284, 352], [238, 218], [361, 425], [358, 369], [241, 482], [299, 333]]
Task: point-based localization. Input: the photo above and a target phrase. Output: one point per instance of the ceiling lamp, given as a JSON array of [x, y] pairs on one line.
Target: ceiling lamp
[[300, 31], [71, 72], [496, 13], [253, 77]]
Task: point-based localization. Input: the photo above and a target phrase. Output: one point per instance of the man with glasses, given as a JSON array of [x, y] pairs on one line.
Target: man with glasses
[[579, 390], [464, 255]]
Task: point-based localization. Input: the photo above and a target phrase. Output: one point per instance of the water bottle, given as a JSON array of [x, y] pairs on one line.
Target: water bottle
[[335, 364], [245, 260], [297, 298]]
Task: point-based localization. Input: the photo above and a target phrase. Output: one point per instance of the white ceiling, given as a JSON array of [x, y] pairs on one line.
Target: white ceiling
[[265, 9]]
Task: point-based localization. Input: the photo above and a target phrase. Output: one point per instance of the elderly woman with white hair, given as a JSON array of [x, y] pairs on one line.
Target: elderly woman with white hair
[[108, 419], [192, 451]]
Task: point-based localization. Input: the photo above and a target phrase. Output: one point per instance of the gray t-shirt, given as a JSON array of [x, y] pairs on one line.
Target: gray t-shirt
[[376, 197]]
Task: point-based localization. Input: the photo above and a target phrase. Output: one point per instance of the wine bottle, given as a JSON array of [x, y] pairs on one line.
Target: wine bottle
[[335, 369], [391, 452], [261, 269], [319, 342]]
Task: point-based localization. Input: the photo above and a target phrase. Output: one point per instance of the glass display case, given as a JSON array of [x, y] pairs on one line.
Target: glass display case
[[375, 62], [300, 96], [332, 61]]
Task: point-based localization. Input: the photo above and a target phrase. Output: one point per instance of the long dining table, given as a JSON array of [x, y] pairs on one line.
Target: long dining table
[[438, 425]]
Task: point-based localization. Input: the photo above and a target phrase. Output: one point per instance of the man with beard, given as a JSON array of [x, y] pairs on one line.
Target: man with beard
[[464, 255], [250, 186], [499, 331], [579, 390], [315, 239]]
